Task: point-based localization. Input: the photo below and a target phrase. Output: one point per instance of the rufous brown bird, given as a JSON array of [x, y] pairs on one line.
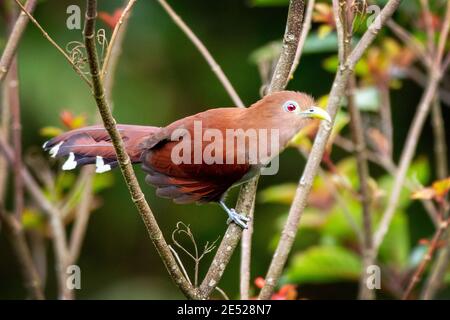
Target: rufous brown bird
[[199, 157]]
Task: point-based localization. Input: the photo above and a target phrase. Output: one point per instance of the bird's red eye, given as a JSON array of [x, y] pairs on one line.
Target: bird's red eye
[[290, 106]]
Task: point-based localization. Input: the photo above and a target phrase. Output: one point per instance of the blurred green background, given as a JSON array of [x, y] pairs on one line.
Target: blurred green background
[[161, 77]]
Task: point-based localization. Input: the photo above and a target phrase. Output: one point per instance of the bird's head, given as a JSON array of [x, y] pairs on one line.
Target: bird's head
[[287, 111], [292, 106]]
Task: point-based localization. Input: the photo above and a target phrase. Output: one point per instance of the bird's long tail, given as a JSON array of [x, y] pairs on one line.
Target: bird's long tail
[[92, 145]]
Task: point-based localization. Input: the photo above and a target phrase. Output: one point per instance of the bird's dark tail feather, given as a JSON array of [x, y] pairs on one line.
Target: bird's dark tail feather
[[92, 145]]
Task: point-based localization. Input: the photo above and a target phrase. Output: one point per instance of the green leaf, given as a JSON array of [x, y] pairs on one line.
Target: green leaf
[[316, 43], [32, 219], [50, 132], [331, 64], [269, 3], [395, 249], [281, 193], [337, 224], [102, 181], [417, 255], [324, 264], [419, 171], [266, 53], [367, 99], [447, 278], [348, 174]]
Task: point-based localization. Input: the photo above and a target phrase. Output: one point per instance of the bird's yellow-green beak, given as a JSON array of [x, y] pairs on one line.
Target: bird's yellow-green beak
[[316, 113]]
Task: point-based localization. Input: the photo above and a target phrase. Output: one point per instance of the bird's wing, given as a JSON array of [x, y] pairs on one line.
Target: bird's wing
[[193, 181]]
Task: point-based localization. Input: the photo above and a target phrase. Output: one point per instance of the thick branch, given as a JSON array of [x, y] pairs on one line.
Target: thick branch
[[304, 35], [312, 165], [291, 40], [87, 174], [124, 160], [247, 193]]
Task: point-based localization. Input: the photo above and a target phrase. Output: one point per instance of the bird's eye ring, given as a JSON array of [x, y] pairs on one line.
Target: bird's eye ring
[[290, 106]]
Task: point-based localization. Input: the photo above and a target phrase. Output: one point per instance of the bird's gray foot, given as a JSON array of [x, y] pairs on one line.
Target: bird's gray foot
[[235, 217]]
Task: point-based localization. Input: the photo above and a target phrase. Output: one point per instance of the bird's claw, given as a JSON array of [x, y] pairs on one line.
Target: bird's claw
[[237, 218]]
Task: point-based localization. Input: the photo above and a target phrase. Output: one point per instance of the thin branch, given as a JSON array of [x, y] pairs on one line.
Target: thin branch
[[114, 50], [14, 39], [428, 18], [412, 43], [215, 67], [182, 228], [14, 104], [124, 161], [16, 236], [418, 77], [440, 144], [338, 198], [345, 35], [5, 133], [423, 109], [337, 92], [390, 168], [82, 216], [405, 160], [246, 199], [426, 259], [386, 117], [446, 63], [56, 225], [53, 43], [224, 295], [443, 37], [438, 271], [180, 263]]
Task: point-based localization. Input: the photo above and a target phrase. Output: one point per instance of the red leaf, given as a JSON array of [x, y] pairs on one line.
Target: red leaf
[[259, 282], [66, 118], [110, 20], [71, 121]]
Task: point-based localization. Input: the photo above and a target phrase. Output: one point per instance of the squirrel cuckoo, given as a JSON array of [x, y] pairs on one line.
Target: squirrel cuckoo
[[198, 179]]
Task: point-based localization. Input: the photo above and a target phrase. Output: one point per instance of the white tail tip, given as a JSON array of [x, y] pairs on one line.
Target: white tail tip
[[54, 151], [100, 165], [70, 162]]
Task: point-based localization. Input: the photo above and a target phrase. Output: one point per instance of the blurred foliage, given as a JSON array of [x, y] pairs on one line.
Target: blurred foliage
[[161, 77], [324, 264]]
